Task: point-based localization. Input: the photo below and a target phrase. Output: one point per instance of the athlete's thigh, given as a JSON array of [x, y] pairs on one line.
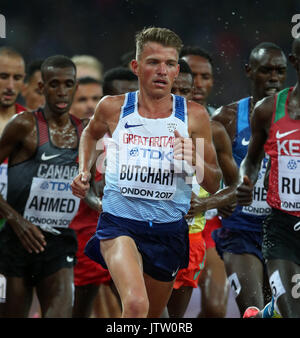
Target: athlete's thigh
[[158, 294], [246, 276], [213, 279], [85, 296], [284, 279], [107, 303], [56, 294], [179, 301], [125, 265], [247, 266], [214, 268]]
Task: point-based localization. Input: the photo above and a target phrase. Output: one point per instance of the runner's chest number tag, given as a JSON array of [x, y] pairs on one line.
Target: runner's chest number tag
[[3, 180], [2, 289], [51, 202], [146, 172], [259, 206], [289, 182]]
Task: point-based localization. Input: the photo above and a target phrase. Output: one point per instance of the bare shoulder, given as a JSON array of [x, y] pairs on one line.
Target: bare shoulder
[[21, 123], [263, 109], [18, 140], [106, 115], [110, 105], [226, 113], [25, 117], [217, 128], [196, 112]]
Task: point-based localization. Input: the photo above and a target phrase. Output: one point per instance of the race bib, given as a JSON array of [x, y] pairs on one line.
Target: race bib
[[146, 172], [51, 203], [289, 182], [2, 289], [3, 180], [259, 206]]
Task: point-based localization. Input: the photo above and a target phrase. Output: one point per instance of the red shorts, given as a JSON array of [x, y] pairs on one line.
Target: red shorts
[[210, 226], [87, 271], [190, 275]]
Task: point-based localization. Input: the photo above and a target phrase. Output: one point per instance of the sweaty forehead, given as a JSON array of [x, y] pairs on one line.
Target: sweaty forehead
[[268, 57], [59, 73], [155, 49], [15, 64]]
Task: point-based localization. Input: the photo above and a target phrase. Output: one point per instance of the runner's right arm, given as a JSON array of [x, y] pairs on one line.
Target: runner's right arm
[[103, 121], [14, 135]]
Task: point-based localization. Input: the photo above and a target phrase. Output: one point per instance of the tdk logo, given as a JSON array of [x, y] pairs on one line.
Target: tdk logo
[[152, 154], [55, 186], [60, 186]]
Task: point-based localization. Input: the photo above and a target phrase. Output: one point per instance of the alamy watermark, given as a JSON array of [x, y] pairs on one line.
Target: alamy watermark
[[296, 29], [147, 166], [2, 27], [296, 288], [277, 285]]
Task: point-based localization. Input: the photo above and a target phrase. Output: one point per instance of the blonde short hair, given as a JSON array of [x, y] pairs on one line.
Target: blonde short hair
[[89, 61], [164, 36]]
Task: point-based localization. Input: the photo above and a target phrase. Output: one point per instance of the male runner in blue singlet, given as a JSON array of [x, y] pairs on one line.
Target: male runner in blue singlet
[[142, 236]]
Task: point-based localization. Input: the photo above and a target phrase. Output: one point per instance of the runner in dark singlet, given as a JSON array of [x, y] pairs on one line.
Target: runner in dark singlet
[[36, 246]]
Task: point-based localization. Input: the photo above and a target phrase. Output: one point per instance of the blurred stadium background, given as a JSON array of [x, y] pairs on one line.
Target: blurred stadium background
[[228, 30]]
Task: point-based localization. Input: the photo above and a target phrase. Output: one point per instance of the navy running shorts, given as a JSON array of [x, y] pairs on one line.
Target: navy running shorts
[[238, 242], [164, 247]]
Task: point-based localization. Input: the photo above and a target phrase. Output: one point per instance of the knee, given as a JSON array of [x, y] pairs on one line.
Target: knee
[[215, 309], [215, 305], [135, 306]]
